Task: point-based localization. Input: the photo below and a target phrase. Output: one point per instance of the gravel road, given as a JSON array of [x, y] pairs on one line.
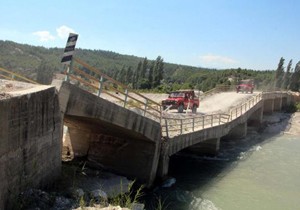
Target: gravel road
[[217, 103]]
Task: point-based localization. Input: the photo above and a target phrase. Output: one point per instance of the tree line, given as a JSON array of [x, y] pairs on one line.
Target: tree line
[[288, 79], [147, 74], [142, 74]]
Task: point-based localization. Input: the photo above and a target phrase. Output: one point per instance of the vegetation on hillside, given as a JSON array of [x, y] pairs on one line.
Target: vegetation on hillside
[[40, 63]]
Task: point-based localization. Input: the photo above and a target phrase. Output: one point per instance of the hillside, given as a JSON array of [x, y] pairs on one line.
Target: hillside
[[32, 60]]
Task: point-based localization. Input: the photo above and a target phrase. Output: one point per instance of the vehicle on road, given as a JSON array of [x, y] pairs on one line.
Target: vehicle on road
[[181, 100], [245, 86]]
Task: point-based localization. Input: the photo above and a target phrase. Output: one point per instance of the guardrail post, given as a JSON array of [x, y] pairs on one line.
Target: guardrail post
[[67, 79], [180, 126], [193, 124], [100, 86], [202, 122], [146, 105], [69, 68], [126, 96], [212, 122], [167, 131]]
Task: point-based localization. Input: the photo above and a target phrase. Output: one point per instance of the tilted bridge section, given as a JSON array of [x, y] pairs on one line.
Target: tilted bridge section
[[121, 130]]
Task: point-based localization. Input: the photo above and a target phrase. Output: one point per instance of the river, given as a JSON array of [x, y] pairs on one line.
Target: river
[[258, 172]]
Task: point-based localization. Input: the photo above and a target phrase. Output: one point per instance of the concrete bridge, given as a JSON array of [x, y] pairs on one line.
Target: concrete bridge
[[113, 126], [134, 138]]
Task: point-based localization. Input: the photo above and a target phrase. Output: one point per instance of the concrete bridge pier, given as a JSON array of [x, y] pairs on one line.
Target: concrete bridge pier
[[268, 106], [284, 103], [76, 141], [240, 131], [277, 104], [163, 166], [256, 118]]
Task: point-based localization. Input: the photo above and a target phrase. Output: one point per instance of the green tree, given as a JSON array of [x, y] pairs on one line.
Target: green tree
[[144, 68], [295, 78], [279, 73], [45, 73], [122, 75], [158, 71], [136, 78], [150, 74], [287, 76], [129, 75]]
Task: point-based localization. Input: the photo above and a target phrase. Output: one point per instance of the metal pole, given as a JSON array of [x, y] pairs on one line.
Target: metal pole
[[126, 95], [100, 86]]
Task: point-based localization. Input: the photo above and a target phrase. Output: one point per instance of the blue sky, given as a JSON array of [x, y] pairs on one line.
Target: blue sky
[[207, 33]]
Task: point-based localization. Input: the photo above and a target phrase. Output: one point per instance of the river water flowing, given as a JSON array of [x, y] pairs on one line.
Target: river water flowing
[[258, 172]]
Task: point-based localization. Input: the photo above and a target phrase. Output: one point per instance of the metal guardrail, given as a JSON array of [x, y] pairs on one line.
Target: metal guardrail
[[177, 126], [217, 89], [98, 83], [244, 107], [6, 74]]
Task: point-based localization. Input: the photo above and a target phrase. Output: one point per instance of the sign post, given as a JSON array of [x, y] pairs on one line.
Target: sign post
[[68, 53]]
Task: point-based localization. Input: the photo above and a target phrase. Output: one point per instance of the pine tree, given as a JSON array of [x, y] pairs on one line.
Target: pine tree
[[150, 74], [144, 68], [121, 75], [287, 76], [295, 78], [158, 72], [129, 75], [137, 73], [279, 73], [45, 73]]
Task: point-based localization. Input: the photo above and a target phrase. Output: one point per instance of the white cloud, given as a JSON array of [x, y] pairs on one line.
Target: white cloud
[[217, 59], [63, 32], [44, 36]]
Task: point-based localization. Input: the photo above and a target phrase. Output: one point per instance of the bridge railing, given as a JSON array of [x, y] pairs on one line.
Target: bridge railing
[[244, 107], [98, 83], [273, 94], [9, 75], [217, 89], [178, 126]]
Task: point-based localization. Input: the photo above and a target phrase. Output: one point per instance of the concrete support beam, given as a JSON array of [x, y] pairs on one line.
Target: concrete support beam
[[268, 106], [163, 166], [256, 118], [79, 141], [277, 104], [284, 103], [133, 158], [208, 147], [240, 131]]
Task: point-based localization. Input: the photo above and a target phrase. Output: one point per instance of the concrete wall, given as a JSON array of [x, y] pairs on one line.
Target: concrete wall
[[30, 143], [113, 137]]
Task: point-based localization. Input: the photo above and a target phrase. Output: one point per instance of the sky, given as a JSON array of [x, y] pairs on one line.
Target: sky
[[250, 34]]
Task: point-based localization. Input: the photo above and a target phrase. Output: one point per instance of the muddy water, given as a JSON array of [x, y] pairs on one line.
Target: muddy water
[[261, 171]]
